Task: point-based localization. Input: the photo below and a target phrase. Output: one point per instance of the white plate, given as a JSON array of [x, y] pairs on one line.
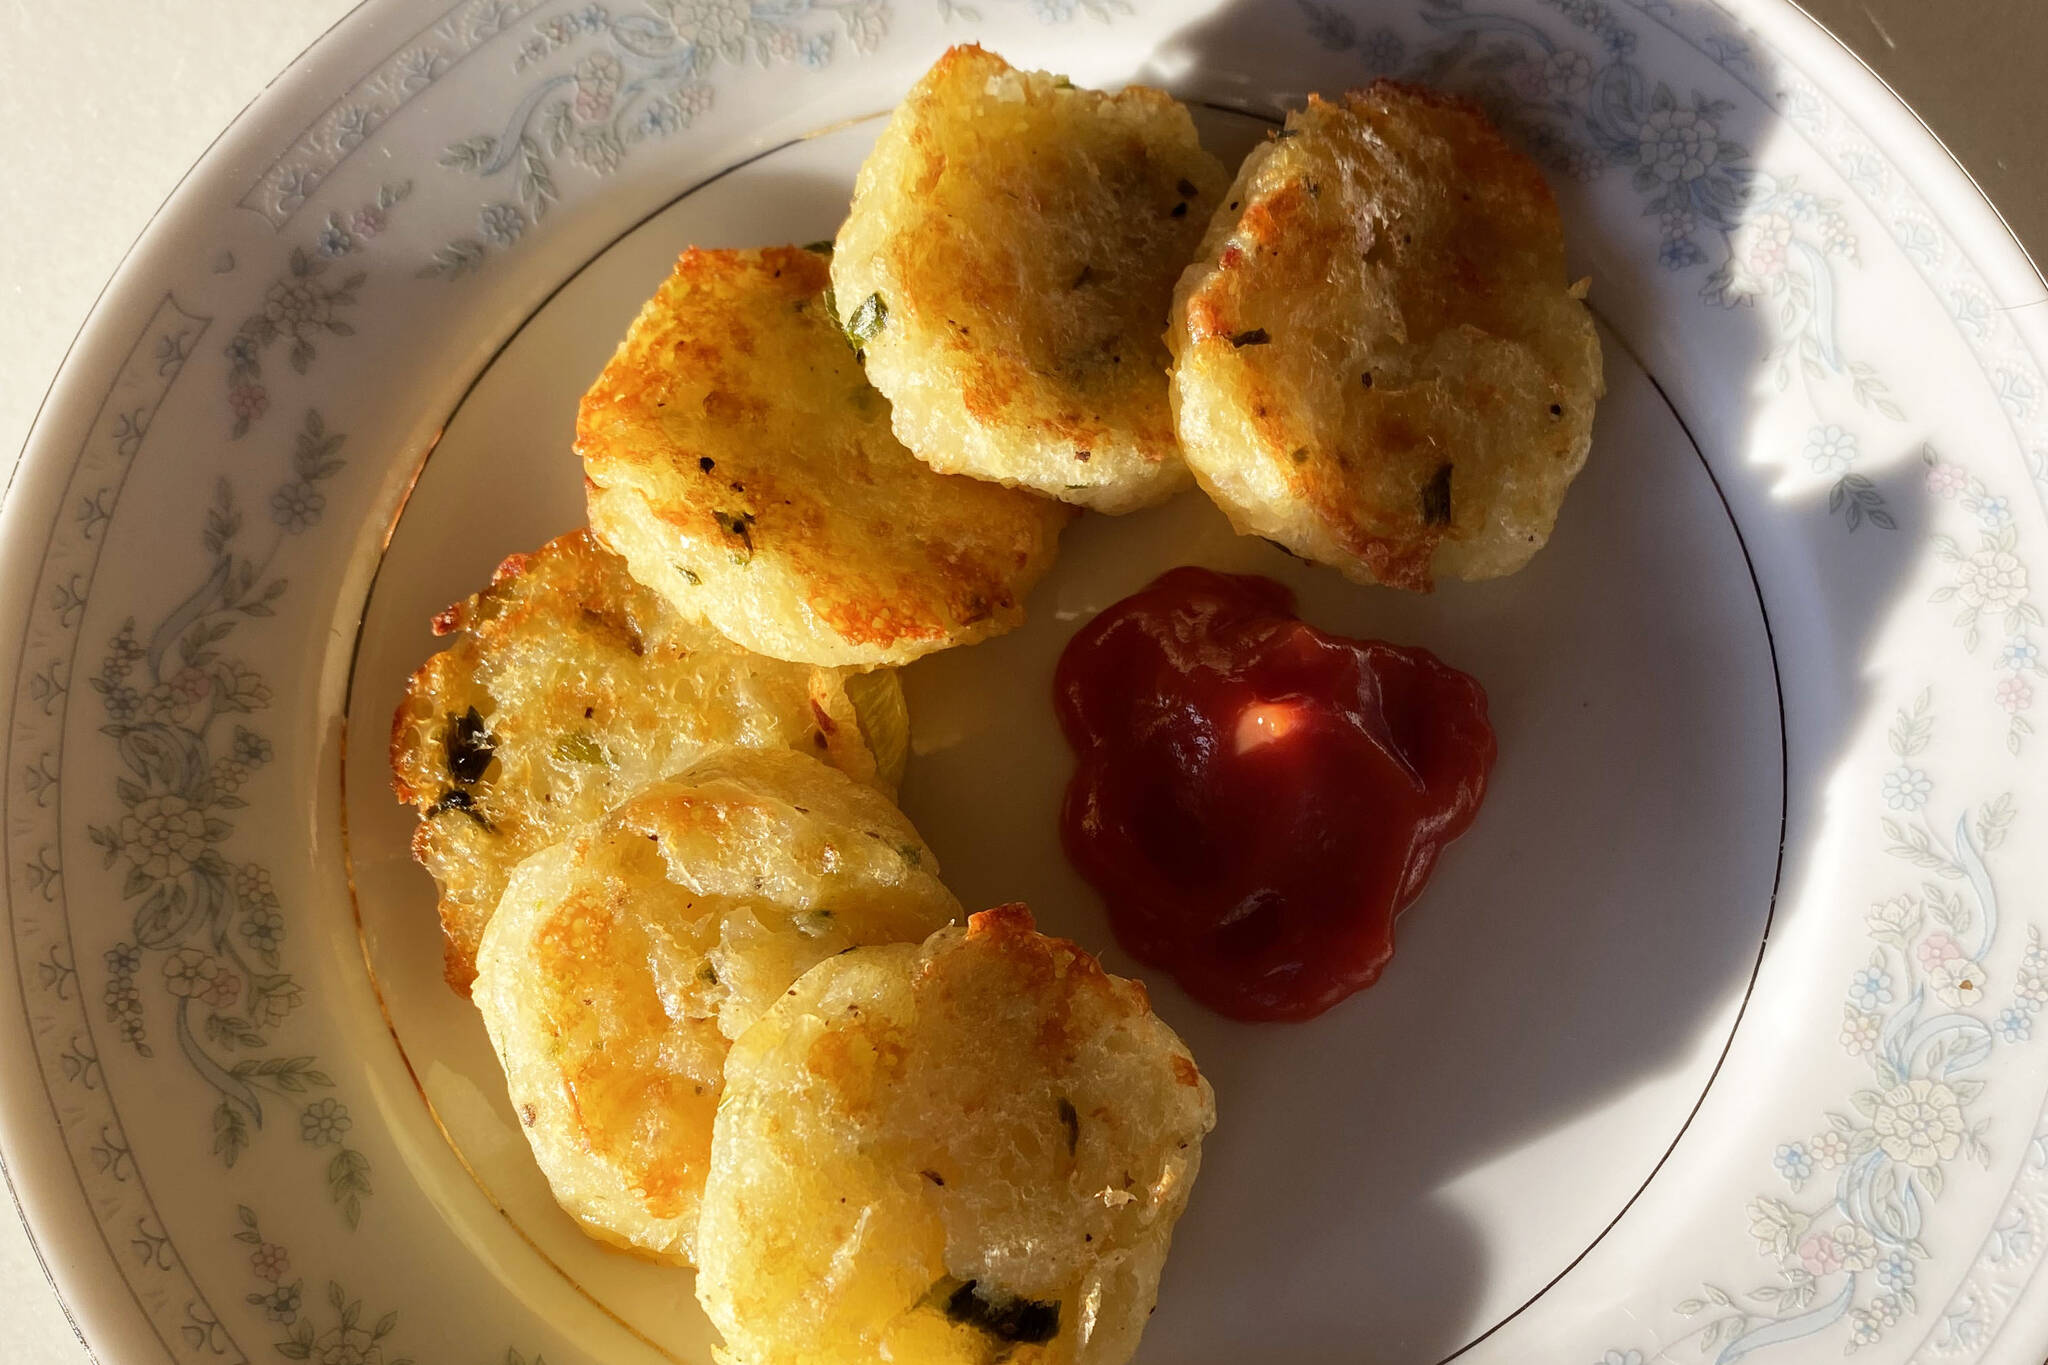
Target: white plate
[[1715, 1037]]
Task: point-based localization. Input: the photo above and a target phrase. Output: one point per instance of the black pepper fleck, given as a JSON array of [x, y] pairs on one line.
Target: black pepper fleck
[[459, 800], [470, 747], [1436, 497], [1027, 1322]]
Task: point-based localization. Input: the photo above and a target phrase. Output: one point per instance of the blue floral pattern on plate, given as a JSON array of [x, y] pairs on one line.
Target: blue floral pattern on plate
[[199, 983]]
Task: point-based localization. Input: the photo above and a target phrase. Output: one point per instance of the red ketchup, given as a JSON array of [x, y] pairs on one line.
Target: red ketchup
[[1256, 799]]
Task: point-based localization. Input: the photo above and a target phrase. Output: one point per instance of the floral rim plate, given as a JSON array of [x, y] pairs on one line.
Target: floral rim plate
[[1721, 1036]]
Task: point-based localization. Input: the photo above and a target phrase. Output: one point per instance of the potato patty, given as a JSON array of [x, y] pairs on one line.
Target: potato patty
[[1007, 267], [740, 461], [568, 686], [966, 1151], [1378, 361], [622, 961]]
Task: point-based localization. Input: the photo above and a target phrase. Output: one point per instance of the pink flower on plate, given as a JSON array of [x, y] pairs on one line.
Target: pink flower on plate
[[597, 81], [1937, 948], [248, 401], [592, 105], [270, 1262], [368, 222], [223, 990], [1820, 1254], [1945, 480], [2015, 695], [780, 43], [190, 684], [1770, 239], [1859, 1030], [1830, 1149], [1527, 79]]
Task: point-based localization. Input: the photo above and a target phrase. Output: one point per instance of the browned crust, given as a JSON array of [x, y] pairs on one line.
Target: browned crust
[[571, 595], [1055, 969], [1448, 275], [692, 423], [1000, 381]]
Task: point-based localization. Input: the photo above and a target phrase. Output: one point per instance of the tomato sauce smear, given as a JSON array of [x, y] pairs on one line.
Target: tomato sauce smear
[[1257, 799]]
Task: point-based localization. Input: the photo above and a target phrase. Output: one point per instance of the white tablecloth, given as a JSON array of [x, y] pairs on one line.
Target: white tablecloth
[[111, 100]]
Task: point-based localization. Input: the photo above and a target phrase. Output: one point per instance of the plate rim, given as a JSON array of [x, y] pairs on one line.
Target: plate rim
[[78, 1265], [64, 1245]]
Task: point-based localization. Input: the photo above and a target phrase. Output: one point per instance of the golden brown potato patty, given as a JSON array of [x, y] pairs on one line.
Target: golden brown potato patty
[[741, 463], [1378, 360]]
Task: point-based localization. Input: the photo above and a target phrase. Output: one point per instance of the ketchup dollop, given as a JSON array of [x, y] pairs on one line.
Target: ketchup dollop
[[1257, 799]]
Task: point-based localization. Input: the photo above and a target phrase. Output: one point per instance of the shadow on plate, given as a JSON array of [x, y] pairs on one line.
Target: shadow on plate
[[1591, 942]]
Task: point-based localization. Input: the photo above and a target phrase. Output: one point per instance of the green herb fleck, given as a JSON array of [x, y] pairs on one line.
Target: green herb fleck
[[1257, 336], [1062, 83], [822, 247], [691, 575], [581, 748], [867, 320], [1285, 133], [1436, 497], [910, 854], [739, 524]]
